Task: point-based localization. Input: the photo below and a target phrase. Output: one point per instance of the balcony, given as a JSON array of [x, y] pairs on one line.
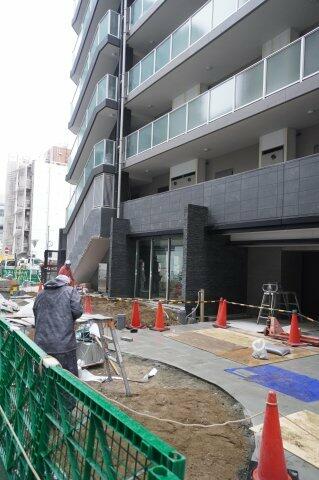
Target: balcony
[[102, 153], [158, 22], [79, 11], [138, 9], [257, 197], [219, 54], [103, 103], [197, 26], [109, 26], [248, 93], [94, 13]]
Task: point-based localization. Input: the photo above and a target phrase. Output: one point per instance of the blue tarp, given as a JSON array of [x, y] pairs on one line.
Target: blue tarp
[[295, 385]]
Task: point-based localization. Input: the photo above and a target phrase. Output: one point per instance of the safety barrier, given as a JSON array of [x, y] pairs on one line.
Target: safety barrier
[[21, 275], [198, 302], [52, 426]]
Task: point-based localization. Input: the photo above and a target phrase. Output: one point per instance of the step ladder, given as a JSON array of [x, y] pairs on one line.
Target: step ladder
[[289, 301], [116, 362], [268, 301], [274, 298]]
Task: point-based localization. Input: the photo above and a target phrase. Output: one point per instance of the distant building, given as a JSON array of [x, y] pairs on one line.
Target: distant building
[[17, 206], [57, 155], [35, 202], [1, 222]]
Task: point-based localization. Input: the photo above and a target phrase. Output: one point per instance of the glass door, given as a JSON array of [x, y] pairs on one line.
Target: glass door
[[159, 272], [143, 268], [176, 268]]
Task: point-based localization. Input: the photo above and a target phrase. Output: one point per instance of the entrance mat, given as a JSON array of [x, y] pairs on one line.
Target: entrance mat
[[233, 346], [300, 434], [295, 385]]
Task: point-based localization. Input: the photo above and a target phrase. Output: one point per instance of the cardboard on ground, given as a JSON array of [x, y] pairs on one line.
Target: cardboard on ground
[[300, 434]]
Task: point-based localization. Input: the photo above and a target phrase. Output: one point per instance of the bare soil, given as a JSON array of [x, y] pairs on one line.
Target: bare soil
[[220, 453], [112, 308]]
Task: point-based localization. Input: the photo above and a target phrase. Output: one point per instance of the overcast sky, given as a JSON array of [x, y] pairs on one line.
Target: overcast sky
[[36, 42]]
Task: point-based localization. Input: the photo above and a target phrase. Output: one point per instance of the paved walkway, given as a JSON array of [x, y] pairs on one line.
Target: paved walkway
[[156, 346]]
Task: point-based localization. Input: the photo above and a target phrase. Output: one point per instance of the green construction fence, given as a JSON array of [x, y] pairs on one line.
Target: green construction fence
[[54, 427], [21, 275]]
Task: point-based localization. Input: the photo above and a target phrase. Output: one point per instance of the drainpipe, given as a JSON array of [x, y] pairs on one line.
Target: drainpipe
[[122, 100]]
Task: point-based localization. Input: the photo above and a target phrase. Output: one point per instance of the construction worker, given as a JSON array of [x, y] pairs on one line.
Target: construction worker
[[55, 310], [66, 270]]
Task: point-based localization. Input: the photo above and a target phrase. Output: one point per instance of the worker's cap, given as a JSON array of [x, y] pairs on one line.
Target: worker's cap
[[68, 262], [62, 280]]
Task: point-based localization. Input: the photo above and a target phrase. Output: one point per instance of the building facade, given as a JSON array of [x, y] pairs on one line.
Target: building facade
[[1, 223], [17, 216], [35, 201], [218, 171]]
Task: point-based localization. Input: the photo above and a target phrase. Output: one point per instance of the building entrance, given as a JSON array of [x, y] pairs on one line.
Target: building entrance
[[159, 268]]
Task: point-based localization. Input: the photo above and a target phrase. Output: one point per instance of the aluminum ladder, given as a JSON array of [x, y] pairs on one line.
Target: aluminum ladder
[[111, 363], [268, 301]]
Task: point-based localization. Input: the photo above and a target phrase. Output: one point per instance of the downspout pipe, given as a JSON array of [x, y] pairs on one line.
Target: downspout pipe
[[122, 106]]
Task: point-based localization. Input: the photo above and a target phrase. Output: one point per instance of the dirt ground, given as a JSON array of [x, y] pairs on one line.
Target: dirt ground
[[221, 453], [112, 308]]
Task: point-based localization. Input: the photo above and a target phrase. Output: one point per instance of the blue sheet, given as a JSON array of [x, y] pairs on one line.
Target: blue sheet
[[295, 385]]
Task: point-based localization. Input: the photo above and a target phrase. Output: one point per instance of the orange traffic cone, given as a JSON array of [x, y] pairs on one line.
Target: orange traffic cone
[[40, 287], [219, 308], [272, 463], [294, 339], [159, 320], [136, 316], [221, 321], [275, 327], [88, 304]]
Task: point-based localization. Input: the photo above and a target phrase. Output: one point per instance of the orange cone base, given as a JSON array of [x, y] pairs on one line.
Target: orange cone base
[[253, 475], [300, 344], [215, 324], [140, 327], [159, 329]]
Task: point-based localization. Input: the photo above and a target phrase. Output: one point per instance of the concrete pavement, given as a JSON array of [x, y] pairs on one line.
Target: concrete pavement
[[207, 366]]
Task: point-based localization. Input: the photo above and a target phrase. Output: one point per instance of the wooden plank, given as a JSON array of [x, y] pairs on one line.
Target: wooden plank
[[301, 436]]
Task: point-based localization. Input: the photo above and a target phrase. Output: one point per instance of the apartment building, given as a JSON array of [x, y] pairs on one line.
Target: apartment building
[[1, 222], [35, 201], [196, 161], [17, 211]]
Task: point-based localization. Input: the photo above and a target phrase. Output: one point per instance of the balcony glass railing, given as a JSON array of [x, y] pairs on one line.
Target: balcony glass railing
[[84, 24], [105, 89], [287, 66], [138, 9], [199, 24], [109, 25], [102, 153]]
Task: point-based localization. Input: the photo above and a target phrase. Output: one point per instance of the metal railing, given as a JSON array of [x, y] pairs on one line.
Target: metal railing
[[105, 89], [197, 26], [109, 25], [138, 9], [287, 66], [102, 153], [86, 20], [54, 426]]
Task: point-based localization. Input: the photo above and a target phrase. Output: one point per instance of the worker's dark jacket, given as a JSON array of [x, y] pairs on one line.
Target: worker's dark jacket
[[55, 310]]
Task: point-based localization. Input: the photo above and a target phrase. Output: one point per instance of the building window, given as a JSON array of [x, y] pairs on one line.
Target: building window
[[224, 173], [159, 268]]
